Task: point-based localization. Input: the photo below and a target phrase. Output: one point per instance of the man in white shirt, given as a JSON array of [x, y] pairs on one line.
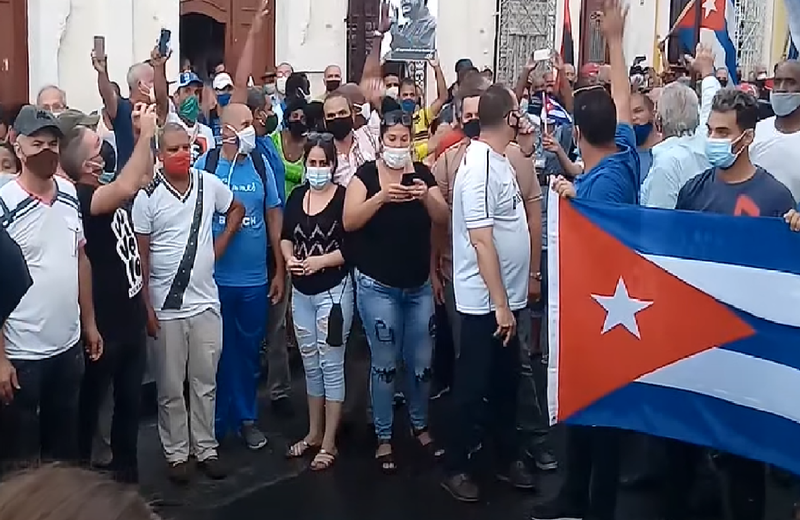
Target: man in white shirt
[[491, 267], [172, 219], [187, 109], [41, 359], [776, 147]]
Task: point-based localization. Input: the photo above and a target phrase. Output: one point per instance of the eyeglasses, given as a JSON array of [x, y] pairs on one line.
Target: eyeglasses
[[397, 117], [319, 137]]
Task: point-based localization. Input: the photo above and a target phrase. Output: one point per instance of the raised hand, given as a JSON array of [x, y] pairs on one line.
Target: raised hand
[[612, 19], [261, 15], [100, 63], [703, 61]]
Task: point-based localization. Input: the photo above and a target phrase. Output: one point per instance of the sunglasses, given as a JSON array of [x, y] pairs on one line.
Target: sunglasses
[[319, 137], [397, 117]]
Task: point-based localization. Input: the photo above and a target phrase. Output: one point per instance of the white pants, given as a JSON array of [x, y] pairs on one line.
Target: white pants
[[188, 348]]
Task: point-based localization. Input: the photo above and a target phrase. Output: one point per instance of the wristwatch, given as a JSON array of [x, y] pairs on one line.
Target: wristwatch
[[537, 276]]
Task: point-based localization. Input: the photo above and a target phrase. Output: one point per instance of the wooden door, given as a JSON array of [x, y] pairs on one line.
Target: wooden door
[[362, 22], [593, 43], [242, 13], [13, 52]]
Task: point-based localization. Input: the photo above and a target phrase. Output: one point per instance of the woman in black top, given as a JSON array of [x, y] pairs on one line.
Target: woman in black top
[[322, 296], [389, 206]]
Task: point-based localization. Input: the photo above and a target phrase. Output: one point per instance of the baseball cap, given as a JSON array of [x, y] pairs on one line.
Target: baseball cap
[[31, 120], [187, 78], [463, 63], [222, 81], [71, 118]]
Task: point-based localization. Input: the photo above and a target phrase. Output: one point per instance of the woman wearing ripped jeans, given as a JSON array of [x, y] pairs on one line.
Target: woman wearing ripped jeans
[[388, 211], [322, 295]]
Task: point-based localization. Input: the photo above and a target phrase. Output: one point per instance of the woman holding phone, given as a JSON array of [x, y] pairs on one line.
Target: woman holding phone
[[322, 294], [389, 207]]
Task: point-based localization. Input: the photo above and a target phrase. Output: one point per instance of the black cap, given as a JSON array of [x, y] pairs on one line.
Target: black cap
[[31, 120], [463, 63]]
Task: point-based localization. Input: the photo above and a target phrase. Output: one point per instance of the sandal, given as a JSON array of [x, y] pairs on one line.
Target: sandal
[[386, 461], [323, 460], [299, 449], [430, 447]]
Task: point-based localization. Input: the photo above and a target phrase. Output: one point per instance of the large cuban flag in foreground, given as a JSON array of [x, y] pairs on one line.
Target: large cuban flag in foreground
[[677, 324]]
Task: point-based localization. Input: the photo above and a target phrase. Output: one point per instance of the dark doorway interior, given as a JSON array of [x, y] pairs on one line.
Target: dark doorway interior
[[202, 42]]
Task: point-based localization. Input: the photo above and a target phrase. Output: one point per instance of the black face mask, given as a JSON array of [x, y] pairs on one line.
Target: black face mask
[[723, 82], [472, 128], [270, 124], [340, 127], [333, 84], [297, 128]]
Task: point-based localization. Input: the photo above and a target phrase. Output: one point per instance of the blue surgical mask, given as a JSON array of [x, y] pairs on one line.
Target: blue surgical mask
[[719, 152], [408, 105], [784, 103], [642, 132], [318, 177], [224, 99]]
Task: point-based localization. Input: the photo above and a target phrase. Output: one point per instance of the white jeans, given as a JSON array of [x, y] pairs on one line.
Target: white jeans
[[188, 348]]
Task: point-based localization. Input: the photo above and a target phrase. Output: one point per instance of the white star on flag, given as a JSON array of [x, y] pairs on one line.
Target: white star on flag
[[621, 309], [709, 6]]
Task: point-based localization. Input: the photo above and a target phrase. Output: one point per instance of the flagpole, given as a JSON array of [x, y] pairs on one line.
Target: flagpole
[[698, 21], [656, 50]]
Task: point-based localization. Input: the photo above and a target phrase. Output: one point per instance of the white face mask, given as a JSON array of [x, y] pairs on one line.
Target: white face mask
[[393, 92], [280, 84], [318, 177], [246, 138], [396, 158], [364, 110]]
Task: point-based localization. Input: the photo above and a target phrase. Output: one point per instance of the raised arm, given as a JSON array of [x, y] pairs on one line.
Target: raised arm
[[244, 69], [612, 21], [371, 82], [160, 86], [441, 88], [108, 198], [104, 86]]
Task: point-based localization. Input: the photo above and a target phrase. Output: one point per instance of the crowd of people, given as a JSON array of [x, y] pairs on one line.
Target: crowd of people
[[198, 221]]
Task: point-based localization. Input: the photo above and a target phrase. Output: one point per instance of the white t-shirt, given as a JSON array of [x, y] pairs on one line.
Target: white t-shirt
[[200, 136], [163, 213], [486, 194], [778, 153], [47, 320]]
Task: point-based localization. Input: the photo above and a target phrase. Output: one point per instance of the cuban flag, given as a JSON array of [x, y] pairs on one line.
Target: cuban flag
[[554, 113], [717, 24], [793, 15], [677, 324]]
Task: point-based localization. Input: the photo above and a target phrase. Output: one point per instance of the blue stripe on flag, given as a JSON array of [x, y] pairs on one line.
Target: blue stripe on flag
[[772, 341], [698, 419], [699, 236]]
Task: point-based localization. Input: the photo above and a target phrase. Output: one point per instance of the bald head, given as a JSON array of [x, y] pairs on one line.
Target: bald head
[[52, 98], [235, 118], [787, 77]]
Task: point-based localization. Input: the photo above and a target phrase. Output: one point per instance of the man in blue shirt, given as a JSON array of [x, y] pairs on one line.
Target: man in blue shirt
[[643, 114], [241, 274], [607, 146]]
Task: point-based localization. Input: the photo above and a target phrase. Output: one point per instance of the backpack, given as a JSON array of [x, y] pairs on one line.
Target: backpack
[[212, 159]]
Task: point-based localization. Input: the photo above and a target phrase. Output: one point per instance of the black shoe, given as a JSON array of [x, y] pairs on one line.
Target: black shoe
[[462, 488], [399, 400], [545, 460], [555, 510], [517, 475], [213, 468], [438, 390], [282, 407], [180, 473]]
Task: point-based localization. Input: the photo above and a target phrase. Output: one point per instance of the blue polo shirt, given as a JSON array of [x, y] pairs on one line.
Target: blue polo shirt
[[123, 132], [244, 263], [266, 148], [616, 177]]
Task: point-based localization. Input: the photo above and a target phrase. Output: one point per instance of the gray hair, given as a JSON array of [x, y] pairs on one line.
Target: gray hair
[[72, 152], [135, 74], [678, 110], [45, 88], [166, 129]]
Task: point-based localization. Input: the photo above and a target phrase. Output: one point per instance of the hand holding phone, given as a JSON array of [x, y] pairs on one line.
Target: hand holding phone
[[99, 48], [163, 42]]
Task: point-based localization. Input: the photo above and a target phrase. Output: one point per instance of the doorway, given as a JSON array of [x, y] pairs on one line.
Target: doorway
[[202, 42]]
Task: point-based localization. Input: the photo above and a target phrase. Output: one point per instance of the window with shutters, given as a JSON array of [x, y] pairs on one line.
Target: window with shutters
[[362, 22], [524, 27]]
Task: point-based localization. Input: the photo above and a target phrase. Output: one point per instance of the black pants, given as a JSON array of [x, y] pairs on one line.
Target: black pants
[[744, 491], [41, 423], [592, 471], [122, 363], [484, 369], [444, 353]]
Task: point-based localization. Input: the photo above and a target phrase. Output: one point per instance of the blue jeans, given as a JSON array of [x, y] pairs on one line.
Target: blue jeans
[[323, 364], [243, 325], [398, 324]]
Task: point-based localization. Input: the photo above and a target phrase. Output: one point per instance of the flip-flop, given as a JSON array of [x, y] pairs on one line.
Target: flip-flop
[[323, 460], [299, 449]]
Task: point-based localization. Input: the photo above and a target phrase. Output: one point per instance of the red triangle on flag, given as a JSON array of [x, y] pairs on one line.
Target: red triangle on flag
[[622, 316]]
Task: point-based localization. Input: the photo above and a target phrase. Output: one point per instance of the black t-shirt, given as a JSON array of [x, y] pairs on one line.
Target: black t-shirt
[[116, 270], [760, 196], [394, 247], [315, 235], [15, 279]]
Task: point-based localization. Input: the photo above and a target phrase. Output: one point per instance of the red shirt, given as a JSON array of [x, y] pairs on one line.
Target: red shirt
[[449, 139]]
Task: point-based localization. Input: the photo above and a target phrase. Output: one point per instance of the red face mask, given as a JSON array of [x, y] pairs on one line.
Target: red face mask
[[178, 163]]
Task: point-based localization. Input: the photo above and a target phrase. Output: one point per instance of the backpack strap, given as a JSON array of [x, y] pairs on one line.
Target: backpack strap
[[261, 168], [212, 159]]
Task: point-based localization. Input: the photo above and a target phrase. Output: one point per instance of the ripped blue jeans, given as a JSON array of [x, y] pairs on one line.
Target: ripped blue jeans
[[398, 324]]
